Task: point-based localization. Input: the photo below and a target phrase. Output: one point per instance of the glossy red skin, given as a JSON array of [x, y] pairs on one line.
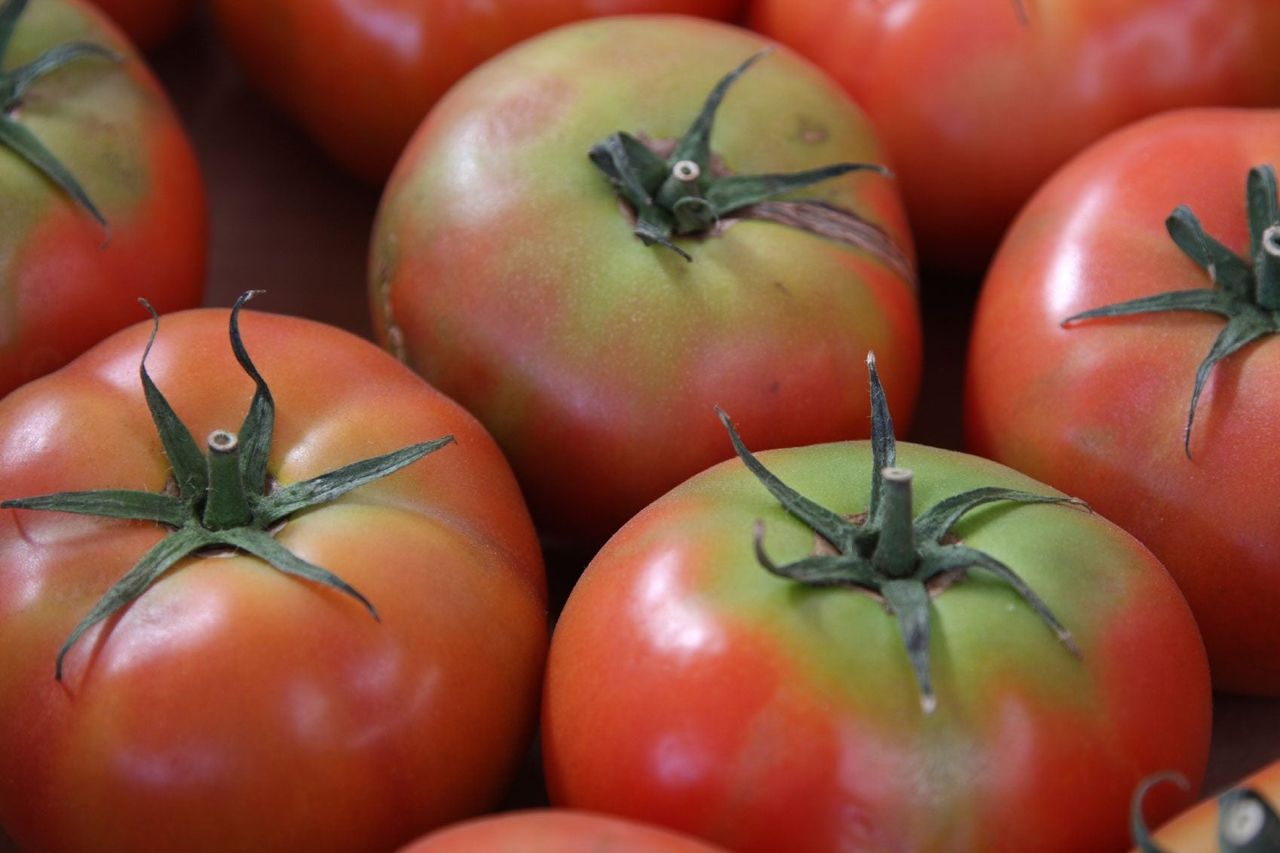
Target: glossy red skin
[[555, 831], [359, 77], [689, 688], [1099, 410], [1196, 829], [232, 707], [147, 22], [504, 269], [65, 282], [982, 108]]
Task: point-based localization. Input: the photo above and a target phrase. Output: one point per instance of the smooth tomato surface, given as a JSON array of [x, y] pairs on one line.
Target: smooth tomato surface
[[1100, 409], [1196, 829], [555, 831], [359, 77], [66, 282], [689, 687], [232, 707], [505, 270], [147, 22], [978, 108]]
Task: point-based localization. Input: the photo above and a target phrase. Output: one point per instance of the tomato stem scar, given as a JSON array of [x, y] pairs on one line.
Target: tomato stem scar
[[225, 499], [677, 193], [227, 504], [888, 551], [1243, 290]]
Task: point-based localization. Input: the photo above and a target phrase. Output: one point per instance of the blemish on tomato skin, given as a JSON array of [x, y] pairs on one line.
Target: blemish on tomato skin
[[530, 110], [384, 273], [810, 131]]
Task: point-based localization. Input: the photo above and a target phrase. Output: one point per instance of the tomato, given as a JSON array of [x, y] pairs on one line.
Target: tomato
[[505, 269], [359, 77], [978, 104], [776, 710], [231, 706], [68, 280], [555, 831], [1199, 829], [147, 22], [1100, 408]]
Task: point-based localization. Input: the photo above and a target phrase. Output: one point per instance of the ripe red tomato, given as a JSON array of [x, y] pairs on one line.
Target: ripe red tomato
[[689, 687], [359, 77], [230, 706], [556, 831], [147, 22], [69, 281], [978, 105], [1197, 829], [505, 269], [1100, 408]]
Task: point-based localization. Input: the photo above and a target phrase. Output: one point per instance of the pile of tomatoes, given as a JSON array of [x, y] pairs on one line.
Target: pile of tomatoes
[[552, 500]]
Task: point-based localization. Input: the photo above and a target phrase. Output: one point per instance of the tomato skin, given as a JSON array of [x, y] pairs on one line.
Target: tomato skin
[[688, 687], [504, 269], [302, 54], [67, 282], [147, 22], [963, 72], [232, 706], [1099, 409], [1196, 829], [555, 831]]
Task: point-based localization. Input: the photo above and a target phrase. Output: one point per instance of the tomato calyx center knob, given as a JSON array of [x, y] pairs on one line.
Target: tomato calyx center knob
[[224, 499], [1247, 823], [680, 193], [14, 84], [888, 551], [1245, 292]]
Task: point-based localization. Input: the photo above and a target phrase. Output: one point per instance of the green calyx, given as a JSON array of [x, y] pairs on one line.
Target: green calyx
[[889, 552], [14, 84], [1247, 823], [1246, 292], [224, 499], [682, 194]]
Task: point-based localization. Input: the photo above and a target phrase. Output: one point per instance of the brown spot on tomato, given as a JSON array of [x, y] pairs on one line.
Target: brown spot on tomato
[[811, 131], [384, 272]]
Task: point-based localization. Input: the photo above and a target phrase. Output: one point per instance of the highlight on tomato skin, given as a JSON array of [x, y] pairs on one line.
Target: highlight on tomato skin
[[239, 692], [519, 269], [1161, 420], [116, 206], [360, 77], [697, 682], [980, 102]]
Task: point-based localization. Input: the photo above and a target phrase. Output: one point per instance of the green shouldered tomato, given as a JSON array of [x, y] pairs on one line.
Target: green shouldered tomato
[[130, 219], [509, 272], [819, 669]]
